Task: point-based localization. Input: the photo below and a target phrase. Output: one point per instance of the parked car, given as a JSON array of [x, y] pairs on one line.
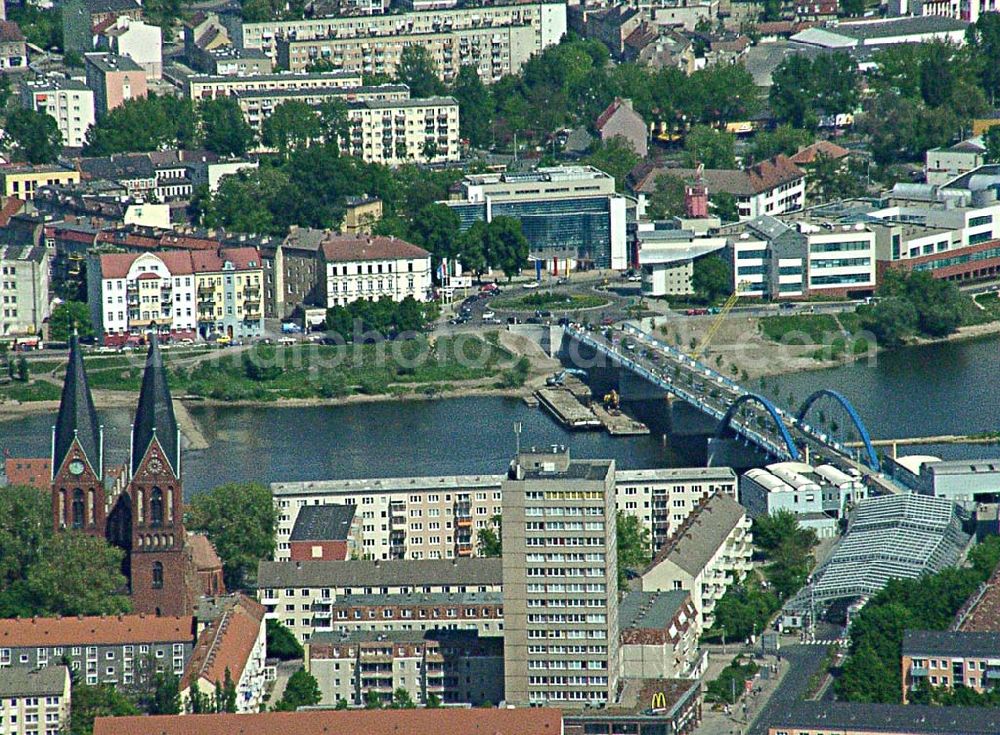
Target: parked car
[[530, 284], [488, 314]]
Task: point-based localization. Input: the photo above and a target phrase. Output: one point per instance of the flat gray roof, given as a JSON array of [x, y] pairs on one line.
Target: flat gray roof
[[383, 484], [416, 573], [650, 609], [951, 643], [17, 681]]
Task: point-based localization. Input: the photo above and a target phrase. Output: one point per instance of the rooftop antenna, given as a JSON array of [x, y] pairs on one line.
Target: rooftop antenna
[[517, 436]]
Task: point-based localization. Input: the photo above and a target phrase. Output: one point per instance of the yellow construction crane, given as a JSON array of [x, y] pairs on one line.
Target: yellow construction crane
[[719, 319]]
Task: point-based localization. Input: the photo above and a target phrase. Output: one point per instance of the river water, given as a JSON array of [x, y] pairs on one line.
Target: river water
[[951, 388]]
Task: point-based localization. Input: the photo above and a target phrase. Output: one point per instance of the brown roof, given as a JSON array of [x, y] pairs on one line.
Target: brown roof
[[29, 471], [610, 111], [759, 178], [983, 614], [95, 630], [348, 247], [10, 31], [202, 552], [205, 261], [226, 643], [809, 154], [11, 206], [116, 265], [527, 721]]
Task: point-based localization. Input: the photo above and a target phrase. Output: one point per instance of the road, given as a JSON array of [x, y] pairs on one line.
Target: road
[[803, 662]]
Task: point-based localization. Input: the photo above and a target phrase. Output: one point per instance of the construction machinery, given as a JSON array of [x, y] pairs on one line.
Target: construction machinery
[[719, 319], [612, 401]]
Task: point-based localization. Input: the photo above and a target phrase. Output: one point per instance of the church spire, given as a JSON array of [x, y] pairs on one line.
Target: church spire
[[77, 418], [154, 416]]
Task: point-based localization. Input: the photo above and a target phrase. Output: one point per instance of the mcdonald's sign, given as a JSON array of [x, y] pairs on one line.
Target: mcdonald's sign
[[659, 701]]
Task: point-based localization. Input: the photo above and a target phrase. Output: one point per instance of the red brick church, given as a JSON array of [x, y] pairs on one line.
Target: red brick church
[[137, 507]]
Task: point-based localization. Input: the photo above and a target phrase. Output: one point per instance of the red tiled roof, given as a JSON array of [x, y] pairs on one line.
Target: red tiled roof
[[30, 471], [95, 630], [104, 25], [180, 262], [226, 643], [610, 110], [526, 721], [70, 235], [347, 247], [204, 261], [808, 154], [984, 615], [202, 552], [773, 172], [10, 31], [11, 206]]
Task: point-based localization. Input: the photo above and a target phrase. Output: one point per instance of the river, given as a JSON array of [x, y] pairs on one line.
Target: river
[[948, 388]]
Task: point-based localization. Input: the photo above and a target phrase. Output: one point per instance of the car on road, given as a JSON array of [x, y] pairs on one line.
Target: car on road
[[635, 278], [696, 312], [530, 284], [787, 305], [488, 314]]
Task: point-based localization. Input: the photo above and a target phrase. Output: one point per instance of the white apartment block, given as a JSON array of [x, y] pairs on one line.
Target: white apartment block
[[367, 267], [142, 42], [34, 701], [547, 21], [205, 86], [394, 132], [662, 499], [68, 101], [258, 104], [24, 289], [440, 517], [708, 554], [307, 596]]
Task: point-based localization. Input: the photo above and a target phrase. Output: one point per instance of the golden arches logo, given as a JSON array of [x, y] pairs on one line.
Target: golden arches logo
[[659, 701]]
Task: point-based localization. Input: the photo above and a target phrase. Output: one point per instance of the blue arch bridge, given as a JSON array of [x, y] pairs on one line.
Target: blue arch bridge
[[740, 413]]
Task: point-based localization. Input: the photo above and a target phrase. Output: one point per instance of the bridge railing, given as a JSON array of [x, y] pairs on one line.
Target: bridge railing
[[669, 386]]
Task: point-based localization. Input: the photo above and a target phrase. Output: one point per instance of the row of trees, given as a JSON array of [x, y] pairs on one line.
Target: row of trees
[[914, 304], [385, 316]]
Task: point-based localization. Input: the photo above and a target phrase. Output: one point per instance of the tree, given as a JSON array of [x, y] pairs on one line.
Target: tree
[[984, 38], [723, 204], [785, 139], [803, 88], [852, 8], [166, 696], [68, 316], [342, 704], [100, 700], [991, 138], [291, 125], [34, 136], [436, 230], [225, 693], [615, 157], [491, 538], [712, 278], [507, 245], [281, 642], [904, 129], [144, 124], [333, 121], [224, 128], [401, 699], [865, 678], [239, 519], [77, 574], [743, 610], [667, 199], [417, 70], [476, 104], [433, 701], [634, 546], [710, 147], [301, 691], [22, 369], [25, 525], [373, 700]]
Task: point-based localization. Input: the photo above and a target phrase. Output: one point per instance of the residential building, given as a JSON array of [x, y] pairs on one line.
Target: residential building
[[294, 272], [620, 119], [366, 267], [24, 290], [358, 722], [981, 612], [497, 39], [360, 215], [853, 718], [815, 154], [34, 701], [258, 104], [422, 611], [663, 498], [231, 61], [394, 132], [570, 215], [100, 650], [659, 636], [180, 293], [84, 20], [944, 163], [141, 42], [33, 472], [21, 181], [950, 659], [205, 86], [232, 647], [709, 553], [802, 256], [69, 102], [455, 666], [301, 594], [325, 533], [114, 79], [13, 47], [560, 578], [818, 496]]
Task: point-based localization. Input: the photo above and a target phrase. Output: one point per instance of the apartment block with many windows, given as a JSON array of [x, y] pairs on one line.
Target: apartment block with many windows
[[68, 101], [34, 701], [394, 132], [24, 289], [208, 86], [950, 659], [560, 576], [257, 104], [371, 268]]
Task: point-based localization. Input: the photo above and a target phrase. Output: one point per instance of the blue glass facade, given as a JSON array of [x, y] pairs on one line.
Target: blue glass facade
[[555, 226]]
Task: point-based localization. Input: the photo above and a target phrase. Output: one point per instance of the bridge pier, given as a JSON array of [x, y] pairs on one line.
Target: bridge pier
[[734, 453], [633, 387]]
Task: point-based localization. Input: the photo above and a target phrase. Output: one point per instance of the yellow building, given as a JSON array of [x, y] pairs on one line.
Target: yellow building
[[229, 293], [362, 213], [22, 181]]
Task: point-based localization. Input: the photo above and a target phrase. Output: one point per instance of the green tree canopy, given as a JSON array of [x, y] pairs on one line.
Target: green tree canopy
[[417, 70], [785, 139], [712, 278], [475, 103], [634, 546], [805, 88], [100, 700], [301, 691], [281, 642], [291, 125], [992, 140], [34, 136], [144, 124], [507, 245], [225, 130], [77, 574], [710, 147], [239, 519], [68, 316], [491, 538], [667, 199], [616, 158]]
